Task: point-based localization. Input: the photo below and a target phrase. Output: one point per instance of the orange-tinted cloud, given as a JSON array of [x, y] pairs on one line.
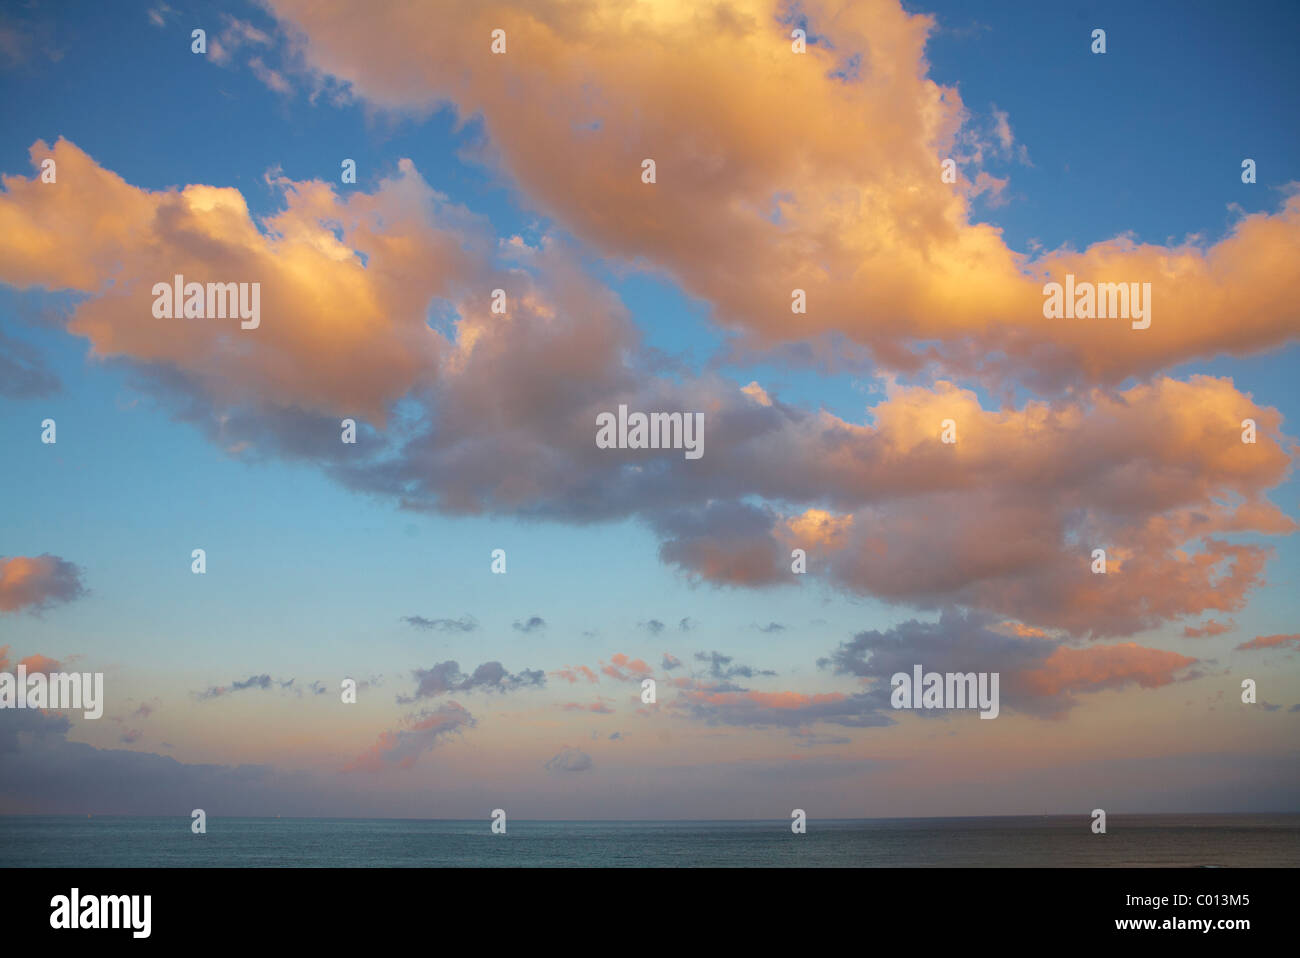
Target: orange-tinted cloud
[[816, 528], [37, 582], [343, 320], [1006, 518], [1104, 666], [40, 663], [626, 669], [571, 674], [1003, 520], [725, 704], [844, 200], [1271, 642], [771, 700], [599, 708], [1021, 630]]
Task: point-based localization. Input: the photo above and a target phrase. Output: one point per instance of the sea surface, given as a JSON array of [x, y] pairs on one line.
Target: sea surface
[[1022, 841]]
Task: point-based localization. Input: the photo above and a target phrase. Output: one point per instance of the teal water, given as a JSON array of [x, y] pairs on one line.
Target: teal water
[[1025, 841]]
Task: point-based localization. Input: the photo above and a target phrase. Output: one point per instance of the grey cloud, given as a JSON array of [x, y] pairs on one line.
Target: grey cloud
[[569, 760], [464, 624], [255, 682], [446, 677], [720, 667], [968, 642]]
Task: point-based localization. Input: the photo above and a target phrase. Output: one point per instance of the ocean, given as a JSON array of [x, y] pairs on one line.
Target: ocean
[[1021, 841]]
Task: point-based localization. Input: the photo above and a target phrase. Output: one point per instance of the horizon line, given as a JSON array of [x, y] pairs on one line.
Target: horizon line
[[642, 821]]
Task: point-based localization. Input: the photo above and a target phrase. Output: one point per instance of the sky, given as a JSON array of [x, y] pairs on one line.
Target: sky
[[523, 171]]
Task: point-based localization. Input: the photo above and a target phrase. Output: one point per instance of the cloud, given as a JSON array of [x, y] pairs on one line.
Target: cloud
[[727, 705], [420, 733], [817, 527], [654, 626], [625, 669], [1003, 129], [343, 326], [670, 662], [1209, 628], [261, 682], [465, 624], [1271, 642], [1099, 667], [20, 40], [33, 723], [757, 393], [571, 674], [1040, 677], [40, 663], [446, 677], [600, 708], [720, 667], [235, 35], [158, 15], [813, 740], [1154, 473], [723, 542], [273, 79], [852, 209], [569, 760], [531, 625], [32, 663], [1020, 629], [41, 772], [36, 583]]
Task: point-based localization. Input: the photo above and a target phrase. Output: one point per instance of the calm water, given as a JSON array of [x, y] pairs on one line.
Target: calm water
[[1135, 840]]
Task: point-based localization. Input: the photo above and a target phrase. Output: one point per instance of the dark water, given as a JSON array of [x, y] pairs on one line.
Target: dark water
[[1066, 841]]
